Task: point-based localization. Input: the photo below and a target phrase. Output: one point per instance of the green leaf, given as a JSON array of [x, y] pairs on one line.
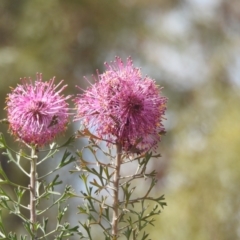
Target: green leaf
[[2, 173], [61, 213], [2, 141], [145, 235], [66, 160], [55, 182], [69, 141], [45, 222]]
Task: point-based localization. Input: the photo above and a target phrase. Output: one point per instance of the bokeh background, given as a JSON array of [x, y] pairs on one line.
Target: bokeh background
[[191, 47]]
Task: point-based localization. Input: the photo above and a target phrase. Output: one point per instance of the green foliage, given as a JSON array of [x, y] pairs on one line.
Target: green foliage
[[14, 203], [135, 213]]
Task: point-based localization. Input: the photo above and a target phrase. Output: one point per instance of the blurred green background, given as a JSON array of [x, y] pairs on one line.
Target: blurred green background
[[191, 47]]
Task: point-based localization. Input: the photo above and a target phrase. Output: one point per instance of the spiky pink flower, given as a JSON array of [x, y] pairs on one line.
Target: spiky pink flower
[[123, 107], [37, 111]]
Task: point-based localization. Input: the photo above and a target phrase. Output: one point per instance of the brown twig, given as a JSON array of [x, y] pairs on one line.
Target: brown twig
[[33, 173], [116, 178]]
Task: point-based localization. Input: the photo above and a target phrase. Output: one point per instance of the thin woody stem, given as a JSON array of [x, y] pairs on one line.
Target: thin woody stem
[[33, 176], [116, 178]]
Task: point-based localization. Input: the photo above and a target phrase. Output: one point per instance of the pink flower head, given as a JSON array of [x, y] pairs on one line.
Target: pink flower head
[[123, 107], [36, 111]]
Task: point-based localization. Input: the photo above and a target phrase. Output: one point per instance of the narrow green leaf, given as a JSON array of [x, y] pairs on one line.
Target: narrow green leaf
[[66, 160]]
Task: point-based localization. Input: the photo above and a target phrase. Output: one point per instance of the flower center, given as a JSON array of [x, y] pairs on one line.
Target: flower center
[[134, 105], [35, 109]]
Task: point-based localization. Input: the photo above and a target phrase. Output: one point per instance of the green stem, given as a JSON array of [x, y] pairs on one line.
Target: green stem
[[116, 178], [33, 194]]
